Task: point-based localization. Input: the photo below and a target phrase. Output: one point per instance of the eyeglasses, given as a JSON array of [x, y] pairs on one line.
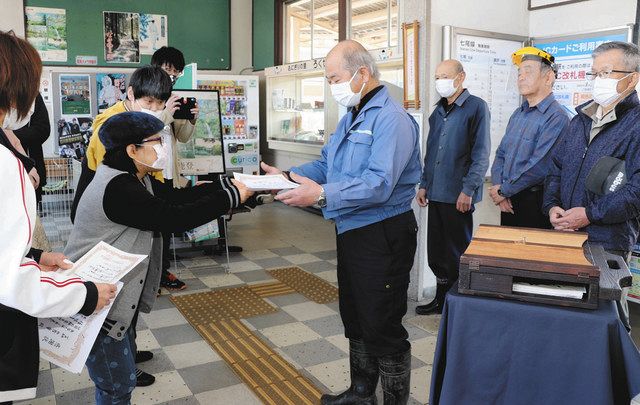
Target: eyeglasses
[[156, 139], [605, 73], [172, 71]]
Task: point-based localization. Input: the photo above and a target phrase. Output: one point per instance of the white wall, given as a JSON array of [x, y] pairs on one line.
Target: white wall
[[12, 16], [503, 16], [581, 17]]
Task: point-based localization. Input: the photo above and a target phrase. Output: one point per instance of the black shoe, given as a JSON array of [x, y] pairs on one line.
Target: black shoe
[[143, 355], [395, 377], [171, 282], [144, 379], [364, 378], [431, 308], [435, 306]]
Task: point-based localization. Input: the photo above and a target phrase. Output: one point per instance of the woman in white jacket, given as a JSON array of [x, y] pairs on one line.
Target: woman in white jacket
[[26, 292]]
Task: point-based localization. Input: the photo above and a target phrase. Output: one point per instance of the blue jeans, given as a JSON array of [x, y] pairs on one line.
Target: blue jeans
[[112, 368]]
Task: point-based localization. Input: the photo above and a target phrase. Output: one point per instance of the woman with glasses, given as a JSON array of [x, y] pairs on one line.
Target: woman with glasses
[[124, 207]]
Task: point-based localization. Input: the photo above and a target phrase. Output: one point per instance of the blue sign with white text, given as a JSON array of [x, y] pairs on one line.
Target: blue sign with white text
[[578, 47]]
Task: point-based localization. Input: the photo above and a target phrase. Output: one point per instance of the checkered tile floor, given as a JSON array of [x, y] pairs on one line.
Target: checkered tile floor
[[307, 334]]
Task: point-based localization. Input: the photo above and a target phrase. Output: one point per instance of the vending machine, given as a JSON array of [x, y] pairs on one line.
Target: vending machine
[[240, 115]]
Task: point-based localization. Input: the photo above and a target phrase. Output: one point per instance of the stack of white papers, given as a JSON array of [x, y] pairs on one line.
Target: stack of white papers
[[556, 290], [66, 342], [265, 183]]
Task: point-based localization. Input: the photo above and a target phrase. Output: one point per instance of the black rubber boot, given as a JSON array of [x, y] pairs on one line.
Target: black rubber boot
[[395, 376], [435, 306], [364, 378]]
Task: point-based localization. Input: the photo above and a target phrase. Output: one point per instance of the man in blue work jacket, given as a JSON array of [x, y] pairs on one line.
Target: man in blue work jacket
[[455, 164], [365, 181]]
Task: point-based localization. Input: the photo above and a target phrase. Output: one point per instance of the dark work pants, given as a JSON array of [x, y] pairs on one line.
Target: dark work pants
[[527, 208], [374, 263], [86, 175], [448, 236]]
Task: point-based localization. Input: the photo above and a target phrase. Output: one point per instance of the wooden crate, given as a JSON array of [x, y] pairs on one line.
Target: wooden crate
[[498, 257]]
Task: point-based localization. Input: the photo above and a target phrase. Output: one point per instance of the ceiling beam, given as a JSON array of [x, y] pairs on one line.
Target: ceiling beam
[[374, 16], [332, 9], [322, 24]]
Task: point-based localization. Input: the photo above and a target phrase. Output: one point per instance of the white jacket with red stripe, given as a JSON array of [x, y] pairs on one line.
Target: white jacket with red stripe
[[24, 287]]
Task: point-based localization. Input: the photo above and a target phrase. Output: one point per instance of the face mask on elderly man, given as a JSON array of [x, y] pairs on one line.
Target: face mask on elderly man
[[605, 91], [445, 87], [343, 94]]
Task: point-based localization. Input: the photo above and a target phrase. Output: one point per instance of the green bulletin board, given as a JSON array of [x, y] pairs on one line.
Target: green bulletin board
[[199, 28], [263, 33]]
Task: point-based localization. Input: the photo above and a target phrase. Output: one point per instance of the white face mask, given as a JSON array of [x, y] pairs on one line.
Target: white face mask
[[157, 114], [12, 122], [445, 88], [605, 91], [343, 95], [161, 157]]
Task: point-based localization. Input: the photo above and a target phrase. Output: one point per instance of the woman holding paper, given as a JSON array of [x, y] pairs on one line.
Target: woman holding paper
[[126, 208], [26, 292]]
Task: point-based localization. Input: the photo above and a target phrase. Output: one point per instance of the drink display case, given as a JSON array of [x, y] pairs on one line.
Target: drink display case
[[239, 111], [300, 111], [301, 114]]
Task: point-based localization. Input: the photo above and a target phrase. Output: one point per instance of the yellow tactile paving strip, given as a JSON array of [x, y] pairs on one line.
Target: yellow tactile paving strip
[[212, 306], [271, 289], [216, 316], [307, 284], [265, 372]]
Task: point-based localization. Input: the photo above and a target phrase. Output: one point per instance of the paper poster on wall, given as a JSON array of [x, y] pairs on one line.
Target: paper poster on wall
[[121, 37], [153, 33], [111, 87], [73, 136], [573, 58], [75, 95], [487, 63], [46, 30], [203, 153]]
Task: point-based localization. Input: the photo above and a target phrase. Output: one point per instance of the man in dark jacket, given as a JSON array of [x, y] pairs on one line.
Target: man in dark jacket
[[455, 164], [32, 136], [606, 126]]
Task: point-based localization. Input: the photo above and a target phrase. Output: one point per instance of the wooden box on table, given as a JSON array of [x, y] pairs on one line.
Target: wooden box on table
[[501, 260]]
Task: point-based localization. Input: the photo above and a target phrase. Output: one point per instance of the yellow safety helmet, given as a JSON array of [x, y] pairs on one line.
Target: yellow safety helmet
[[531, 52]]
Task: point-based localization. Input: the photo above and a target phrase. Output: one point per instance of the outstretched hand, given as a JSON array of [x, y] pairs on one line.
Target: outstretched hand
[[305, 195], [269, 169]]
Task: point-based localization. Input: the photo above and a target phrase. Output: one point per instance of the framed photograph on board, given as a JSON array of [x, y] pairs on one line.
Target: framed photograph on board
[[411, 67], [121, 37], [540, 4], [203, 153], [47, 32]]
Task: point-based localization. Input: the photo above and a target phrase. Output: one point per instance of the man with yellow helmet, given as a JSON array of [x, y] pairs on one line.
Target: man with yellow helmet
[[522, 159]]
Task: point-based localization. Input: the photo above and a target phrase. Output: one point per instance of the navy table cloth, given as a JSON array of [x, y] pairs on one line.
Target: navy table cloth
[[493, 351]]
